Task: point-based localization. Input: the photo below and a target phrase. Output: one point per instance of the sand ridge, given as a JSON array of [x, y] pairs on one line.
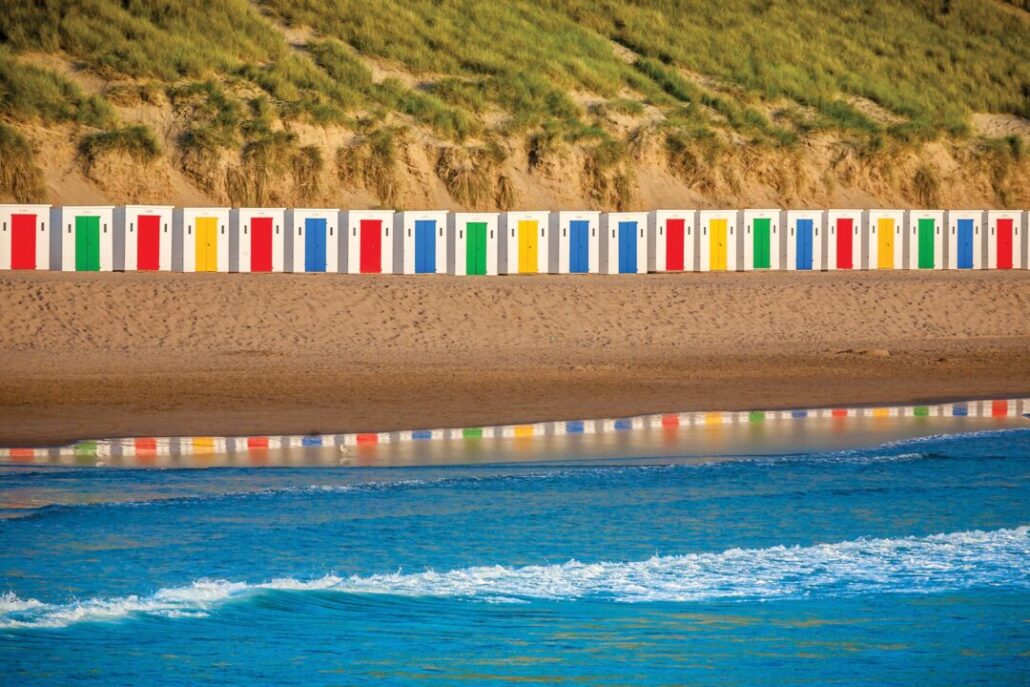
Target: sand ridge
[[84, 355]]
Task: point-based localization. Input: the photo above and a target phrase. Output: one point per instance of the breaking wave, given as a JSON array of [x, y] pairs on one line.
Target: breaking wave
[[936, 563]]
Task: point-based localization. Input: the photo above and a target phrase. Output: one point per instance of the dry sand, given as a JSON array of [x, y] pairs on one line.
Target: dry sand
[[93, 355]]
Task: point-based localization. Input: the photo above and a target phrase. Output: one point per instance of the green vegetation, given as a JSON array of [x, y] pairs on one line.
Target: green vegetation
[[697, 74], [18, 171]]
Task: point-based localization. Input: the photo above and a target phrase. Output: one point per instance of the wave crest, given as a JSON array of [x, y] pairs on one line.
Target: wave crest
[[937, 563]]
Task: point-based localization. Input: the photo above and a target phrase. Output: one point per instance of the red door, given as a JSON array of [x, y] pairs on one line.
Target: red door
[[23, 242], [371, 246], [845, 225], [1004, 244], [674, 245], [261, 244], [148, 242]]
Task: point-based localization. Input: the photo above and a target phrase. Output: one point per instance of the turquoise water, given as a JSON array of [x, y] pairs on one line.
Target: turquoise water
[[907, 563]]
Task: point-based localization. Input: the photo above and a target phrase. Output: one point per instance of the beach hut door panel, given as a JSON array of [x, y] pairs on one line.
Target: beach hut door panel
[[763, 231], [475, 248], [627, 247], [718, 244], [261, 244], [674, 245], [1004, 244], [885, 243], [927, 228], [425, 246], [371, 246], [314, 244], [148, 242], [804, 239], [965, 244], [579, 246], [845, 227], [23, 242], [527, 246], [207, 244], [87, 244]]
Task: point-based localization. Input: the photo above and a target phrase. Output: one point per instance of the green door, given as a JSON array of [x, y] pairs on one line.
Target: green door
[[475, 248], [762, 241], [87, 244], [926, 231]]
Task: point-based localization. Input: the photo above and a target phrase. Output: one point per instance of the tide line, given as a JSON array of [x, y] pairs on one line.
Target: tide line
[[152, 447]]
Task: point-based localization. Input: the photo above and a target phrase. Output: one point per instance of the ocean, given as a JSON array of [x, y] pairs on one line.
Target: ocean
[[901, 563]]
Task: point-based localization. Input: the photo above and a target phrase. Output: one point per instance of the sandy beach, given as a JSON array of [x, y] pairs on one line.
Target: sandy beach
[[143, 354]]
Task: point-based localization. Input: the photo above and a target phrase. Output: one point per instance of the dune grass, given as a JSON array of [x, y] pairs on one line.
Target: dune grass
[[554, 71]]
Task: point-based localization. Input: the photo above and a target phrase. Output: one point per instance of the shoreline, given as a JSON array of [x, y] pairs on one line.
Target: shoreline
[[162, 354]]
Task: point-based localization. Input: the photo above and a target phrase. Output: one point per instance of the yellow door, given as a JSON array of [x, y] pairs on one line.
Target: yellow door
[[207, 244], [885, 243], [718, 244], [527, 246]]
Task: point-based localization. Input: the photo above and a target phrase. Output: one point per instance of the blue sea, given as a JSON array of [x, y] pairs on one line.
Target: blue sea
[[901, 563]]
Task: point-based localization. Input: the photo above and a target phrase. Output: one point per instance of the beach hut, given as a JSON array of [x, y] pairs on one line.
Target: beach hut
[[424, 238], [805, 231], [761, 239], [886, 239], [260, 238], [1004, 239], [527, 240], [369, 241], [965, 239], [672, 235], [87, 237], [24, 237], [623, 243], [844, 239], [579, 248], [204, 233], [314, 237], [475, 241], [718, 240], [146, 232], [926, 239]]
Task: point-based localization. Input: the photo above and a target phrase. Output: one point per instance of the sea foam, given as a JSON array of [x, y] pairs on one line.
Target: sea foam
[[936, 563]]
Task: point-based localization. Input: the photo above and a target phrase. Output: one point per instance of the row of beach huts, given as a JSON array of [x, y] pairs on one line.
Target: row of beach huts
[[146, 237]]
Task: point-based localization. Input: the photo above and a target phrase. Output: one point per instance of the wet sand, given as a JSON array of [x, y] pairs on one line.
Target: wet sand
[[95, 355]]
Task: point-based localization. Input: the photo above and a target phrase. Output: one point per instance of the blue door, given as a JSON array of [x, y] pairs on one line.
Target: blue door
[[965, 244], [425, 246], [804, 238], [314, 244], [579, 246], [627, 247]]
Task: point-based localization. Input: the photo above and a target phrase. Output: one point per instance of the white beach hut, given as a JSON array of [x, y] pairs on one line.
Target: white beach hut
[[474, 236], [527, 238], [886, 239], [370, 238], [24, 237], [623, 243], [1004, 240], [805, 232], [260, 238], [87, 237], [671, 233], [204, 233], [718, 240], [314, 237], [926, 238], [965, 239], [579, 241], [146, 233], [844, 239], [762, 239], [423, 235]]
